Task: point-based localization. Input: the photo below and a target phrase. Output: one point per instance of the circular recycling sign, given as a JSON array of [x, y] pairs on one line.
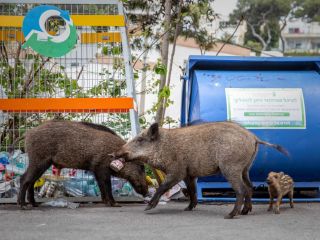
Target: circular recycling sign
[[40, 40]]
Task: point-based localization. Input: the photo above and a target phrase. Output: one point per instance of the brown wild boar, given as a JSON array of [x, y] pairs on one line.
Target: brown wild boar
[[201, 150], [76, 145], [279, 185]]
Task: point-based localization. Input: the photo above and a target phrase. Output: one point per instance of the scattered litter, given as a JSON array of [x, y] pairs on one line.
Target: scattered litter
[[5, 187], [4, 158], [41, 225], [56, 183], [17, 163], [174, 193], [60, 202]]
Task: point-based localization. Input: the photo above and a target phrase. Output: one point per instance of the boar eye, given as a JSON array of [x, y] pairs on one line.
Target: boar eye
[[139, 139]]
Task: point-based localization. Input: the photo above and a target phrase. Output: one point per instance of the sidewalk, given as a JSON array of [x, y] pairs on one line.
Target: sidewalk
[[169, 221]]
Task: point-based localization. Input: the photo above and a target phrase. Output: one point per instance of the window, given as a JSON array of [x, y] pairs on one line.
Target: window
[[294, 30], [315, 45], [298, 45]]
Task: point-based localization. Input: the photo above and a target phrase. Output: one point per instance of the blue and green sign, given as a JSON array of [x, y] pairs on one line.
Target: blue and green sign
[[37, 37]]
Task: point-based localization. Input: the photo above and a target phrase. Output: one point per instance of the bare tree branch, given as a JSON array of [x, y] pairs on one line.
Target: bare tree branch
[[32, 75]]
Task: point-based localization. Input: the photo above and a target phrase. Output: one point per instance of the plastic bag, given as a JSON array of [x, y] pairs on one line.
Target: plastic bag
[[60, 202]]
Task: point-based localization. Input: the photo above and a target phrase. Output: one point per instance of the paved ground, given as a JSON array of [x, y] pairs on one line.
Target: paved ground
[[168, 221]]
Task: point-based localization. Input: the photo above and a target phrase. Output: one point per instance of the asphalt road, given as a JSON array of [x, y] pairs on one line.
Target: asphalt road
[[168, 221]]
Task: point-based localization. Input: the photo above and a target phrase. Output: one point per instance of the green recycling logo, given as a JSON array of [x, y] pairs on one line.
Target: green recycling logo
[[37, 37]]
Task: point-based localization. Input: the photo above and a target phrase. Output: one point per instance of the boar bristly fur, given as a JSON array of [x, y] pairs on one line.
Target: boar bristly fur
[[78, 145], [201, 150]]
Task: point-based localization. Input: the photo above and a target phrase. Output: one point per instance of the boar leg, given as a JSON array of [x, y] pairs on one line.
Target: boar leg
[[191, 188], [168, 183], [291, 198], [28, 178], [38, 174], [248, 195], [109, 192], [277, 208], [238, 186], [270, 203], [103, 178]]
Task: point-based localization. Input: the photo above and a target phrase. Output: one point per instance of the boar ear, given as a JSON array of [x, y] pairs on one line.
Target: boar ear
[[153, 131]]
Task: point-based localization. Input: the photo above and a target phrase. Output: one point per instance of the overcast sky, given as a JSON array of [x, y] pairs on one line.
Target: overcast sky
[[224, 7]]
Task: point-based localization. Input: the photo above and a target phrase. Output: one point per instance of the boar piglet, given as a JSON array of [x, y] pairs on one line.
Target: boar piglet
[[279, 185], [201, 150], [77, 145]]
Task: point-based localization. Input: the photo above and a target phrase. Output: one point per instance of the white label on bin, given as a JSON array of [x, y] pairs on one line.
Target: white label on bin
[[266, 108]]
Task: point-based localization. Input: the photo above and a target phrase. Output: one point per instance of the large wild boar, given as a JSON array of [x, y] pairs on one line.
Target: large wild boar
[[76, 145], [201, 150]]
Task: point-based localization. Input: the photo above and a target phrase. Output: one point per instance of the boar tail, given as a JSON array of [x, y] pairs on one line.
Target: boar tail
[[278, 147], [11, 147]]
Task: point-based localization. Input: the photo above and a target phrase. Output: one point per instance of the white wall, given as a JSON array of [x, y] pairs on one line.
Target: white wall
[[302, 36]]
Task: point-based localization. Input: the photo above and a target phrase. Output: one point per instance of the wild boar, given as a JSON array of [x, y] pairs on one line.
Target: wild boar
[[77, 145], [279, 185], [201, 150]]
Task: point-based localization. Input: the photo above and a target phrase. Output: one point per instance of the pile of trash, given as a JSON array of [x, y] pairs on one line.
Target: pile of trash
[[58, 184], [54, 183]]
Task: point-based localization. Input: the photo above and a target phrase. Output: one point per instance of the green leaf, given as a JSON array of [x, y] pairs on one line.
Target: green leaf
[[165, 92], [160, 69], [116, 50], [74, 84], [105, 50]]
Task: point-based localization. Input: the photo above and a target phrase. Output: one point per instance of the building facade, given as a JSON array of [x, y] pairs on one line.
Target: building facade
[[301, 36]]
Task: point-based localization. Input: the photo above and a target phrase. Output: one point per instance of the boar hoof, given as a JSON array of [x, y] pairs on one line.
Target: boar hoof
[[246, 210], [277, 211], [115, 205], [269, 209], [34, 204], [228, 216], [188, 208], [25, 207], [149, 207]]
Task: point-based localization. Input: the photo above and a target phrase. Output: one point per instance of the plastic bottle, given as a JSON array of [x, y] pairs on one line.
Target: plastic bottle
[[4, 158]]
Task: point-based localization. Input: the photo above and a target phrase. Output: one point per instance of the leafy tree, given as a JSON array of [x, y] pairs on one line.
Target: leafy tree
[[308, 9], [166, 20], [265, 20]]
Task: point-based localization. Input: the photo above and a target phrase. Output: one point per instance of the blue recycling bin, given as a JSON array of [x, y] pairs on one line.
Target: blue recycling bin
[[278, 99]]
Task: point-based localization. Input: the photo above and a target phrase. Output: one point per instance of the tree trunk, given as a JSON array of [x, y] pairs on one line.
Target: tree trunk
[[283, 43], [164, 58], [143, 86], [176, 34], [256, 35], [269, 35]]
